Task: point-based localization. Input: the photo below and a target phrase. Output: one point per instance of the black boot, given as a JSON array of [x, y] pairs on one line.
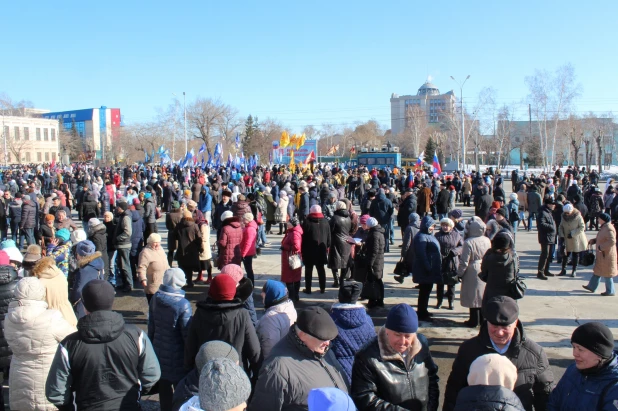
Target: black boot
[[541, 276], [399, 279], [450, 305], [439, 304]]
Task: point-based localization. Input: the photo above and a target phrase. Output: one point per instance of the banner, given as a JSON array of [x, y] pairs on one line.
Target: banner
[[282, 155]]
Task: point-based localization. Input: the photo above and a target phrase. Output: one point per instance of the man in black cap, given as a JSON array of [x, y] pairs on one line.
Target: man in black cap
[[547, 231], [122, 242], [298, 363], [106, 364], [504, 334], [395, 369]]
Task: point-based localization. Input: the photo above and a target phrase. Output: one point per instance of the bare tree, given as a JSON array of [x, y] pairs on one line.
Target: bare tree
[[205, 117], [10, 107], [416, 128], [551, 97]]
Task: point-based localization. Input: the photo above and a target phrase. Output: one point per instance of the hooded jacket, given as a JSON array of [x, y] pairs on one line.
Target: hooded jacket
[[427, 270], [381, 209], [374, 252], [275, 324], [28, 214], [546, 226], [205, 202], [137, 233], [149, 211], [98, 236], [57, 288], [383, 380], [474, 248], [577, 391], [105, 365], [229, 243], [226, 321], [33, 331], [124, 230], [168, 325], [90, 268], [498, 270], [534, 375], [189, 242], [407, 207], [355, 328]]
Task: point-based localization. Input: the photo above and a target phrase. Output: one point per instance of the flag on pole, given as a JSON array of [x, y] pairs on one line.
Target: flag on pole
[[300, 141], [146, 158], [153, 155], [53, 164], [419, 161], [202, 148], [285, 140], [292, 164], [352, 150], [237, 140], [310, 157], [436, 164], [230, 160]]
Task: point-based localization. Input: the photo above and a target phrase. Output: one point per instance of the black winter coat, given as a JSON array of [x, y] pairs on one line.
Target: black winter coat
[[339, 252], [488, 398], [442, 201], [98, 236], [381, 209], [28, 214], [534, 375], [8, 282], [407, 207], [546, 226], [226, 321], [374, 252], [481, 209], [90, 208], [381, 380], [498, 271], [303, 207], [316, 239]]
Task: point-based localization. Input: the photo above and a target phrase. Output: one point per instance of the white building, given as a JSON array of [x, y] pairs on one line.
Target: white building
[[428, 99], [29, 140]]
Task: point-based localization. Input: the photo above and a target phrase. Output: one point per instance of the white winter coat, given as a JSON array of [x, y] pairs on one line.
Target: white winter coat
[[275, 324], [474, 248], [33, 333], [207, 253]]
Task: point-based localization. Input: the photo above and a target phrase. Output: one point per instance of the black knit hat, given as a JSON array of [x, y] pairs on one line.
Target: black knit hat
[[98, 295], [501, 311], [317, 323], [595, 337], [350, 291]]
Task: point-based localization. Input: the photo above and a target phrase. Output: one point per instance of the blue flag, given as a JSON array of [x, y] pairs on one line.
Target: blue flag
[[237, 140], [146, 159], [202, 148], [218, 150]]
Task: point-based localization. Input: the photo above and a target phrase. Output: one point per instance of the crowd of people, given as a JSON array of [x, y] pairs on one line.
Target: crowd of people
[[75, 238]]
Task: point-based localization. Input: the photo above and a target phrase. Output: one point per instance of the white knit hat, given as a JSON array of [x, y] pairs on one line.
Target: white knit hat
[[493, 369], [567, 208]]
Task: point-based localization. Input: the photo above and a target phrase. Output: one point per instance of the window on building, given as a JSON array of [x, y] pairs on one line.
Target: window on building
[[53, 134], [28, 157], [46, 134], [54, 156], [38, 134], [26, 133], [39, 156], [6, 131], [16, 131], [47, 156]]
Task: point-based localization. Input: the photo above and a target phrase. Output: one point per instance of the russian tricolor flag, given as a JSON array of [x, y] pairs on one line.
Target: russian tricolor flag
[[436, 164]]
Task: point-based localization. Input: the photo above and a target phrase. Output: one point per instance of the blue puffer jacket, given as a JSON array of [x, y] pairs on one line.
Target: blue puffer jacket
[[168, 324], [578, 392], [90, 268], [205, 203], [355, 329], [137, 233], [426, 270]]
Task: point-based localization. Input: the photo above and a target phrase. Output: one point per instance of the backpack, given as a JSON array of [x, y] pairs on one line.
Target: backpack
[[513, 214]]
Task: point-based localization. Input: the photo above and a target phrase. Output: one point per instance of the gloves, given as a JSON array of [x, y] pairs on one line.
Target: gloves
[[570, 235]]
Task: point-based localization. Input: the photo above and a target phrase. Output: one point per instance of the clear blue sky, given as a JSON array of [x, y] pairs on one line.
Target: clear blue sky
[[309, 63]]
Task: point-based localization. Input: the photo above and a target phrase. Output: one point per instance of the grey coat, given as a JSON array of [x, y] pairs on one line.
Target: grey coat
[[474, 248], [291, 372]]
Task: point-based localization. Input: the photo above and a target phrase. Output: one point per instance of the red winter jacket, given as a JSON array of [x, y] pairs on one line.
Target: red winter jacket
[[249, 239], [291, 244], [229, 243]]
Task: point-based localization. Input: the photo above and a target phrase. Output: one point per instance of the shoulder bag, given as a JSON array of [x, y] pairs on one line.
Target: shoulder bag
[[518, 288]]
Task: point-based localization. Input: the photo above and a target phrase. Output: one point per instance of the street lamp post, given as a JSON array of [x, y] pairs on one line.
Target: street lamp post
[[463, 134], [174, 127]]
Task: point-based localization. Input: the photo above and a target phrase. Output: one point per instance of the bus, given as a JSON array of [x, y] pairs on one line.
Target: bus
[[379, 160]]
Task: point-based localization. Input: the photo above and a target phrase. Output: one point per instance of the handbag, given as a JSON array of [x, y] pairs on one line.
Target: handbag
[[587, 258], [279, 215], [400, 267], [158, 213], [371, 290], [295, 261], [518, 288]]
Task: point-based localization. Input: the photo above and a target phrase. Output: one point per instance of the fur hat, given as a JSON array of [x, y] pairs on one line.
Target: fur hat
[[78, 235]]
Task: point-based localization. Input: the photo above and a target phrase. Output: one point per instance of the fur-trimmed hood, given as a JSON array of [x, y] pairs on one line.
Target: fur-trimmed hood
[[389, 354], [87, 260], [46, 268]]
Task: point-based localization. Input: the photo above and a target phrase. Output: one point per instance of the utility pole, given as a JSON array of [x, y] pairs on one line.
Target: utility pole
[[184, 97], [463, 126], [521, 150]]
